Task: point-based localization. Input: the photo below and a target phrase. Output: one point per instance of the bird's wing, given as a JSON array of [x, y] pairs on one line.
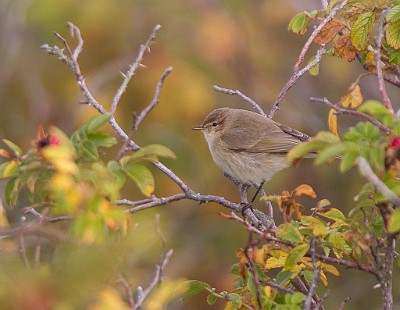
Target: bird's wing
[[275, 138]]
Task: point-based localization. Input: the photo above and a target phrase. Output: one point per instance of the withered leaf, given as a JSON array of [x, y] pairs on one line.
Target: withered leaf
[[344, 48], [329, 31]]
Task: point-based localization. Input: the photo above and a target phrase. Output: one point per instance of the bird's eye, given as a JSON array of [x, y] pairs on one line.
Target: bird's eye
[[214, 124]]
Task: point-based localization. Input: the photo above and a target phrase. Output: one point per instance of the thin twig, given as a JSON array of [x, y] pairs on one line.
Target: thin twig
[[377, 55], [154, 101], [22, 251], [340, 110], [284, 289], [297, 73], [128, 290], [341, 307], [367, 172], [307, 303], [293, 79], [75, 31], [252, 267], [142, 294], [132, 69], [239, 93], [316, 31]]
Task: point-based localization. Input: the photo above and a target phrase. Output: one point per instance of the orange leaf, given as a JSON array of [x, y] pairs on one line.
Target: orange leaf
[[329, 31], [332, 122], [304, 189], [344, 48]]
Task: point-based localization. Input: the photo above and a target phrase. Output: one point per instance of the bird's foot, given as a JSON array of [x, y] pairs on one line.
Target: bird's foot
[[245, 206]]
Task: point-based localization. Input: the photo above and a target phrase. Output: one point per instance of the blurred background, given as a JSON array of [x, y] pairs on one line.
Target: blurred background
[[236, 44]]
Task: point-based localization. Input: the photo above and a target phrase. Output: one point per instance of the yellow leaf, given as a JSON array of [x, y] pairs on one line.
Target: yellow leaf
[[275, 262], [332, 122], [3, 216], [323, 278], [304, 189], [353, 98], [330, 268], [370, 57]]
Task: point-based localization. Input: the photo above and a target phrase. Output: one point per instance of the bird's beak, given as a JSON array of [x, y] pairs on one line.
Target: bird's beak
[[200, 127]]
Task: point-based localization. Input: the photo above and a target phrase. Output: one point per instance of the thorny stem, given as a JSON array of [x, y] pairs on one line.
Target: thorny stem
[[132, 69]]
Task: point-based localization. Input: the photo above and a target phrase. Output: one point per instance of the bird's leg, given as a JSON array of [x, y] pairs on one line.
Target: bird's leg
[[259, 189], [270, 210]]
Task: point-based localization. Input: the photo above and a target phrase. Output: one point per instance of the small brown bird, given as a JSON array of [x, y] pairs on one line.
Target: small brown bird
[[247, 146]]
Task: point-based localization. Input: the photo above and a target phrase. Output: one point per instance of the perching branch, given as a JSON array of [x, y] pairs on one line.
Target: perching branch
[[340, 110]]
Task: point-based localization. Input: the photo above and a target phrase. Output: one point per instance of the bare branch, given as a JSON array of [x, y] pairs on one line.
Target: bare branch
[[142, 295], [359, 114], [367, 172], [128, 290], [132, 69], [22, 251], [239, 93], [75, 31], [154, 101], [307, 303], [316, 31], [378, 64], [296, 75]]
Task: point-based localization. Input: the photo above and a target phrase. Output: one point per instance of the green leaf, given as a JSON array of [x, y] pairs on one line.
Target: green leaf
[[149, 153], [394, 55], [348, 160], [15, 148], [211, 299], [329, 153], [142, 177], [236, 300], [394, 14], [95, 123], [295, 254], [11, 192], [193, 287], [359, 31], [102, 139], [283, 277], [289, 232], [394, 222], [303, 149], [299, 23], [298, 298], [393, 35], [89, 150], [376, 109], [10, 168], [333, 214]]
